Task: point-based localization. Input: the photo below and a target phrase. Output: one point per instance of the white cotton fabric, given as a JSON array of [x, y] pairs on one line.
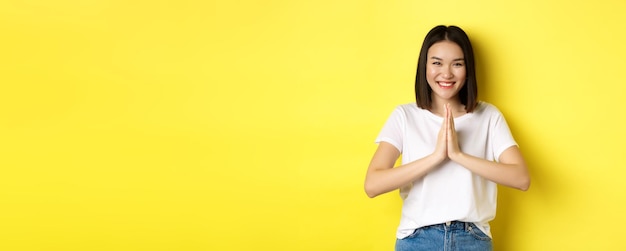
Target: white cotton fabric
[[449, 192]]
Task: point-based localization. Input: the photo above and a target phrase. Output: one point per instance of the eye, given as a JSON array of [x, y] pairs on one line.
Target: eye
[[436, 63], [458, 64]]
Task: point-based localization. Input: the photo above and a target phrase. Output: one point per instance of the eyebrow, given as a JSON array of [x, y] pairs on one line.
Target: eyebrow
[[458, 59]]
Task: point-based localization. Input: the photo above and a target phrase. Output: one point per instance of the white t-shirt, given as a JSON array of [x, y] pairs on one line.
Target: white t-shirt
[[449, 192]]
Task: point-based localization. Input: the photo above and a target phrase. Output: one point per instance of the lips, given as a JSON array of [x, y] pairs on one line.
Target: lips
[[445, 84]]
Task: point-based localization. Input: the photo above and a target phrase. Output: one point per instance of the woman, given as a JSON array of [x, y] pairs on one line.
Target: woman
[[455, 150]]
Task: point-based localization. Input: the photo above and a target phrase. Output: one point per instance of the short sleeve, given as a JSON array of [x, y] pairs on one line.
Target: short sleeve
[[393, 130], [501, 135]]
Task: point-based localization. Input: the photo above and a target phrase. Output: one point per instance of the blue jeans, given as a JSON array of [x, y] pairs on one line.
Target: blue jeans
[[455, 235]]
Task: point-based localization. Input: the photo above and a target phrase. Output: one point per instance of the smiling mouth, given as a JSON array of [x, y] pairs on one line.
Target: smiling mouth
[[445, 84]]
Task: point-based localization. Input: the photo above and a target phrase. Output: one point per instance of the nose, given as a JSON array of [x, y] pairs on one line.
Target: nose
[[446, 72]]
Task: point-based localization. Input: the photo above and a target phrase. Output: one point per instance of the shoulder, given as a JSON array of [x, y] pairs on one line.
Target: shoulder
[[409, 110], [488, 109], [410, 107]]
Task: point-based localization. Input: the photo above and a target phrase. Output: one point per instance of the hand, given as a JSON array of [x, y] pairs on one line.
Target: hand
[[441, 149], [452, 143]]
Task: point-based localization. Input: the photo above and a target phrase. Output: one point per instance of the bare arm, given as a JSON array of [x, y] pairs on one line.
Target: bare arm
[[382, 177], [510, 171]]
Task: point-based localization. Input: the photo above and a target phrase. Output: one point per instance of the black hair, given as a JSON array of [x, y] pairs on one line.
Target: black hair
[[469, 92]]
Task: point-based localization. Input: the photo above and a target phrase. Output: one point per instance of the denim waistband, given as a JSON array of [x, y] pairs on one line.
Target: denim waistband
[[452, 225]]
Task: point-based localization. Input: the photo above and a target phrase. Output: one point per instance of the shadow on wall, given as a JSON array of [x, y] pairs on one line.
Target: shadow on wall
[[511, 201], [543, 188]]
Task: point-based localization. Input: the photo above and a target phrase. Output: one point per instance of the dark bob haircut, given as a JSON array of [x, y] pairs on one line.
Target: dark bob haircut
[[469, 93]]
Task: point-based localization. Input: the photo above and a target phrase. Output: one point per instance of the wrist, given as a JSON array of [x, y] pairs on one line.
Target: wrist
[[457, 157], [437, 157]]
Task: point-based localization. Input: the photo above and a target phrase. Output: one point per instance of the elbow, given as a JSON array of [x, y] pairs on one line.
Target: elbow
[[524, 184], [370, 191], [523, 179]]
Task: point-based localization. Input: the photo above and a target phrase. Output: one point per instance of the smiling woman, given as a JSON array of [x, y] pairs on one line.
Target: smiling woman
[[237, 125], [455, 150], [445, 74]]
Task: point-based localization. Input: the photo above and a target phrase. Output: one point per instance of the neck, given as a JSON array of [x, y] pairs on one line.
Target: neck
[[455, 105]]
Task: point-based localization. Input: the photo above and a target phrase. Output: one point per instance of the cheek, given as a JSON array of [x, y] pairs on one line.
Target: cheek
[[430, 73], [461, 73]]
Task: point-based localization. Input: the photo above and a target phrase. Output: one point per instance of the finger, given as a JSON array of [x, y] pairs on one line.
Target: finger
[[444, 125], [445, 115], [451, 122], [446, 118], [451, 119], [448, 128]]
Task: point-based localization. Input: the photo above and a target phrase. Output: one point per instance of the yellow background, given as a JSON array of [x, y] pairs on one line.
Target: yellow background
[[246, 125]]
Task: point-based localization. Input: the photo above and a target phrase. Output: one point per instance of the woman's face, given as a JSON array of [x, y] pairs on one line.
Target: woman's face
[[445, 70]]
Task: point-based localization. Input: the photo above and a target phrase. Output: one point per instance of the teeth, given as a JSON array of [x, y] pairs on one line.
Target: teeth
[[446, 84]]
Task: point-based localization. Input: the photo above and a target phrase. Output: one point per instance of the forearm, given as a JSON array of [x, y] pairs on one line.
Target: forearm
[[513, 175], [380, 181]]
